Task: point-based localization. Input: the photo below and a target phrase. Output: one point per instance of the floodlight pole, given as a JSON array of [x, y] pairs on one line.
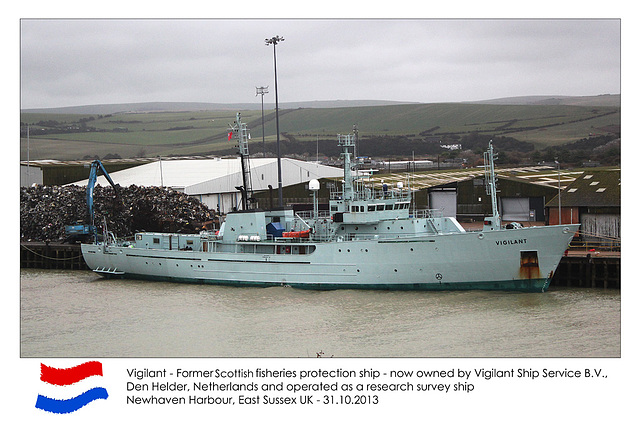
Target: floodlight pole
[[559, 192], [274, 41], [261, 91], [28, 164]]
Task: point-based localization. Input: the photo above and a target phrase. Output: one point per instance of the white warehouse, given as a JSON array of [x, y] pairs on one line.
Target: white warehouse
[[214, 181]]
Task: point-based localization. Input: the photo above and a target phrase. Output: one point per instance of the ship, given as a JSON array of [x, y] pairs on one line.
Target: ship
[[371, 237]]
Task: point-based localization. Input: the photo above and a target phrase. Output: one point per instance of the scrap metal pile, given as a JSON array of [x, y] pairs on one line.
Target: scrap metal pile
[[46, 210]]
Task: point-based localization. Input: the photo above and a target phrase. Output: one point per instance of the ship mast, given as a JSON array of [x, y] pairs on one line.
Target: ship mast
[[239, 130], [493, 222], [347, 141]]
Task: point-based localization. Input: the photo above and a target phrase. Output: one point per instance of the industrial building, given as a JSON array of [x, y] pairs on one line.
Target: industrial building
[[214, 181], [30, 175], [594, 201], [62, 172], [522, 192], [519, 200]]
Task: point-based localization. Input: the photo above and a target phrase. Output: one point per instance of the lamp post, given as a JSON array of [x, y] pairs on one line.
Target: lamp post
[[559, 192], [274, 41], [261, 91], [28, 164]]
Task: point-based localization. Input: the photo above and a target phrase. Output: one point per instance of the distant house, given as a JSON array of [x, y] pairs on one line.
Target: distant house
[[593, 200]]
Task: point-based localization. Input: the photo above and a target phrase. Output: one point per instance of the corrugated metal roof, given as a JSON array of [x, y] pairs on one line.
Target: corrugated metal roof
[[600, 188], [539, 175]]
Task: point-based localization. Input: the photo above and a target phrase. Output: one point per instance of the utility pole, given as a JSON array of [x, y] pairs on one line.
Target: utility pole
[[261, 91]]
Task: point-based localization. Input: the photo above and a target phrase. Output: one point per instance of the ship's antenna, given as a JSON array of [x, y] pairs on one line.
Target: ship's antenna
[[347, 141], [412, 174], [490, 181], [355, 144], [239, 130]]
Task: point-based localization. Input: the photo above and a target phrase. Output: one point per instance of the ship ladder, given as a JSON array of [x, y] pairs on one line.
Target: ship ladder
[[108, 271]]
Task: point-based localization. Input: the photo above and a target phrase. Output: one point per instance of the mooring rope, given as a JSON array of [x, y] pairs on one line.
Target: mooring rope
[[51, 258], [599, 236]]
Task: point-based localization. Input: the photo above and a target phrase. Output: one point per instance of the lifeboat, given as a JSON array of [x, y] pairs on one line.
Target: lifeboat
[[296, 234]]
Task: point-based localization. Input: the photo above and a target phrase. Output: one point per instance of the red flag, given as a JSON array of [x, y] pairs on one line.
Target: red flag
[[69, 376], [230, 135]]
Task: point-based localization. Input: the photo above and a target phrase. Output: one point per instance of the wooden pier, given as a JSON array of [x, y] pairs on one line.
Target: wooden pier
[[588, 270]]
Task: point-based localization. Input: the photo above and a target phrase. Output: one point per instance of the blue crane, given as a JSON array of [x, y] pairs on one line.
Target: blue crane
[[83, 231]]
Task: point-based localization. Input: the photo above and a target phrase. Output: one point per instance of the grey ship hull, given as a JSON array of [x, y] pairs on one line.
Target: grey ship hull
[[507, 259]]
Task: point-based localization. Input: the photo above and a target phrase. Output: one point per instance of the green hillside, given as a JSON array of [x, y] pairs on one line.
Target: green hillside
[[77, 136], [568, 122]]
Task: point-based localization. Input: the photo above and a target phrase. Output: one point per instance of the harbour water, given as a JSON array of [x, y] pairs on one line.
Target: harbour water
[[67, 313]]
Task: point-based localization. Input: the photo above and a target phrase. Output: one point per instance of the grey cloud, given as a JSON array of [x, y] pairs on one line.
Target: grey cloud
[[77, 62]]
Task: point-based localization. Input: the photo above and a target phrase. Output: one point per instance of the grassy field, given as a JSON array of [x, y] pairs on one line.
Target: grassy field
[[549, 125], [205, 132]]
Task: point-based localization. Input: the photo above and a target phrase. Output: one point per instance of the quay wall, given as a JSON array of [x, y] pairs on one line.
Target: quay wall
[[580, 271], [51, 256], [586, 271]]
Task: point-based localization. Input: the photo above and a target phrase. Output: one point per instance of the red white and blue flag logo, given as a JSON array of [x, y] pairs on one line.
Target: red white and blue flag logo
[[70, 377]]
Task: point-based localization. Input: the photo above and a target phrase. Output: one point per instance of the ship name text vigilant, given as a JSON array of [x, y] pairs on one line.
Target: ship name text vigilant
[[511, 242]]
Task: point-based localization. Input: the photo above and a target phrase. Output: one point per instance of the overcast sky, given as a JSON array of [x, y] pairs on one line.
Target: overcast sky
[[84, 62]]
